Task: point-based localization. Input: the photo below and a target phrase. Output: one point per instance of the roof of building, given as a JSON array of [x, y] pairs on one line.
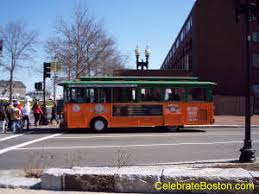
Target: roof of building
[[16, 84], [138, 78]]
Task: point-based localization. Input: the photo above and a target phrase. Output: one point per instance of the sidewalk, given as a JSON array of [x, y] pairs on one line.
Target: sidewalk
[[26, 191], [234, 120]]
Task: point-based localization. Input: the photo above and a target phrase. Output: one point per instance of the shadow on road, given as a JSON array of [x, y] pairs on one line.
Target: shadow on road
[[133, 130], [52, 130], [42, 130]]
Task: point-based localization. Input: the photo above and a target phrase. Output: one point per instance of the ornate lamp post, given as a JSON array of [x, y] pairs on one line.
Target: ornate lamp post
[[142, 64], [249, 10]]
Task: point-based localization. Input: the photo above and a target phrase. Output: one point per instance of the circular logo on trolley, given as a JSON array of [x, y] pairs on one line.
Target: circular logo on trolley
[[174, 108], [76, 108], [99, 109]]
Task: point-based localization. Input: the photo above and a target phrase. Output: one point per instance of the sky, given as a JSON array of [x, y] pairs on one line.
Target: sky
[[131, 23]]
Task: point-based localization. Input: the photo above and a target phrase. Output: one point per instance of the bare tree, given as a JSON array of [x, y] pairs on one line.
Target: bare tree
[[83, 47], [19, 44]]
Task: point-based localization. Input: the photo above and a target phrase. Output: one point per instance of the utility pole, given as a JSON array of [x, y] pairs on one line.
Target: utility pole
[[55, 67], [54, 83]]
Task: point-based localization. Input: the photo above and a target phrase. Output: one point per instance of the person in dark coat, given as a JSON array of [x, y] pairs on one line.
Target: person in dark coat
[[3, 118], [54, 114]]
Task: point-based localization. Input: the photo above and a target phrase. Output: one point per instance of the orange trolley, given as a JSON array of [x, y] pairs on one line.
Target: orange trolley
[[102, 102]]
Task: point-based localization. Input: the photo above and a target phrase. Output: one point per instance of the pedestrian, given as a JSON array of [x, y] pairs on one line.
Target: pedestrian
[[9, 108], [19, 106], [37, 112], [54, 114], [26, 114], [44, 117], [3, 118], [60, 104], [16, 118]]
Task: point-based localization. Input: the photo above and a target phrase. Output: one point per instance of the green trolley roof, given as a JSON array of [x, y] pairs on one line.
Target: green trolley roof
[[137, 82]]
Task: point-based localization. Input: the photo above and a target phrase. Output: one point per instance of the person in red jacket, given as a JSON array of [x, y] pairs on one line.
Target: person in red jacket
[[37, 112], [19, 106]]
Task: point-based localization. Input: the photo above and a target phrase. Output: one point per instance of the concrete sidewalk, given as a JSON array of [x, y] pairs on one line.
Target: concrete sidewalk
[[26, 191], [234, 120]]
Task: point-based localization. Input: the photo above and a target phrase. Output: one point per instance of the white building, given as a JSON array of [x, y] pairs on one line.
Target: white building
[[38, 95]]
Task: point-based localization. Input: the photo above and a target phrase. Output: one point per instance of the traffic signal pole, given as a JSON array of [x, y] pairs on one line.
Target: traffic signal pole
[[44, 90], [46, 74]]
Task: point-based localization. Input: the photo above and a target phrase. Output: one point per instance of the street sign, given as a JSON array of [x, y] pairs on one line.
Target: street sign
[[55, 66]]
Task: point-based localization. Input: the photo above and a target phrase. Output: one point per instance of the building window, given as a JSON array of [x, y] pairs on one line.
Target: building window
[[182, 36], [252, 18], [150, 94], [189, 24], [186, 62], [256, 90], [256, 36], [255, 60], [177, 44]]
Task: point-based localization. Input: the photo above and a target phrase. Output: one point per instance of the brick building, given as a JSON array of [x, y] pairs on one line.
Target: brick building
[[211, 45]]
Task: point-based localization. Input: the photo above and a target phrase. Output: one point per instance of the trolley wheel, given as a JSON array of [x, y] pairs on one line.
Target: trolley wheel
[[99, 125], [173, 128]]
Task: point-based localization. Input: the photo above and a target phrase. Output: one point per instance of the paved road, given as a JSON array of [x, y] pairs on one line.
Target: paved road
[[52, 148]]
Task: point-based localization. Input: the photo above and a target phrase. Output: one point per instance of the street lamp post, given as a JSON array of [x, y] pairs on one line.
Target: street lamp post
[[141, 63], [247, 152]]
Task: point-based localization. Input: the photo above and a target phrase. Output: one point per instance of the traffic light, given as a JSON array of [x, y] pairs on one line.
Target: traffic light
[[257, 11], [38, 86], [47, 70]]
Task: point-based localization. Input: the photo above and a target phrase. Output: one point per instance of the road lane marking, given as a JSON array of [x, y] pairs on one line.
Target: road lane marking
[[148, 135], [2, 151], [11, 137], [129, 146]]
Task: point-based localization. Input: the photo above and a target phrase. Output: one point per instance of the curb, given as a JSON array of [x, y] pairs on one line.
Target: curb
[[19, 182], [16, 179], [150, 179], [218, 126]]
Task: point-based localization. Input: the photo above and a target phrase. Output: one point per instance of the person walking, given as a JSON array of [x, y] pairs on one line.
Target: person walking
[[9, 108], [3, 118], [26, 109], [16, 118], [19, 106], [37, 112], [54, 114]]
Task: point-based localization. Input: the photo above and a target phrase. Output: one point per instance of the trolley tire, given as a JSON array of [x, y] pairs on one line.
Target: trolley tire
[[173, 128], [99, 125]]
